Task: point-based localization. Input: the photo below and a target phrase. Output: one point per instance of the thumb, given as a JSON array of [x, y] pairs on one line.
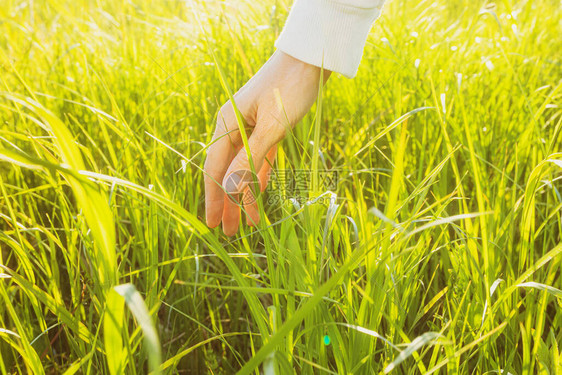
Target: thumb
[[239, 174]]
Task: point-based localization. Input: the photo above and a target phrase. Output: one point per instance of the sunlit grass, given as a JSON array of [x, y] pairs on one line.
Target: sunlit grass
[[439, 251]]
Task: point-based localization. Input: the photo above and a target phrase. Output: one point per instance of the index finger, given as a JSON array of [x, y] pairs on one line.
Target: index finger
[[219, 155]]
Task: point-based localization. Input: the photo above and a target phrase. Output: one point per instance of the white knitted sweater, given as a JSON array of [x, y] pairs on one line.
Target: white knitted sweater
[[329, 33]]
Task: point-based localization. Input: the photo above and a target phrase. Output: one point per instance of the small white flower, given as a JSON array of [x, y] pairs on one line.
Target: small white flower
[[443, 103], [183, 165], [489, 65], [150, 187], [454, 48], [414, 34], [477, 39], [459, 80], [386, 41], [484, 129], [417, 63]]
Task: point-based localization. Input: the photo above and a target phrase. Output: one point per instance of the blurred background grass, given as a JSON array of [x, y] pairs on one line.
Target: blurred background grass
[[455, 111]]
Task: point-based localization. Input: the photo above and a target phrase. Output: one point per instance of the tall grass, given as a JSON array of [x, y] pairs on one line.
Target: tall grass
[[439, 251]]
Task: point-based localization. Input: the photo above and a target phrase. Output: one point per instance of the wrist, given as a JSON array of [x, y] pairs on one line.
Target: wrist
[[303, 67]]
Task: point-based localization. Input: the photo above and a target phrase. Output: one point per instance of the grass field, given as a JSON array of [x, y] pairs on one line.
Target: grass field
[[438, 251]]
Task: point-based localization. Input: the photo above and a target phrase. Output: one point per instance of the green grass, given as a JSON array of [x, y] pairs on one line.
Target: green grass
[[439, 251]]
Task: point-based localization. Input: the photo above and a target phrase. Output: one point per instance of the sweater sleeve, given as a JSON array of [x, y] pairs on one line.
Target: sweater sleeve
[[329, 33]]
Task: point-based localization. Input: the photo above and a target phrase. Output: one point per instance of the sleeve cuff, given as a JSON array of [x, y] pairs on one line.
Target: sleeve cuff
[[328, 33]]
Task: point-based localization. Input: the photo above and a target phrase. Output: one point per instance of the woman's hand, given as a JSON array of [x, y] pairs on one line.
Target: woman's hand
[[271, 102]]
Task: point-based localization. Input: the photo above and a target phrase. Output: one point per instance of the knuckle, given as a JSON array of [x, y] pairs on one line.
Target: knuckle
[[225, 112], [226, 108]]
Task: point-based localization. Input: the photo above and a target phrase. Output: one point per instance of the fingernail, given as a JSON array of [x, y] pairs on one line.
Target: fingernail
[[233, 183]]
